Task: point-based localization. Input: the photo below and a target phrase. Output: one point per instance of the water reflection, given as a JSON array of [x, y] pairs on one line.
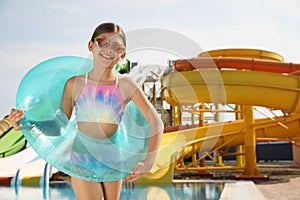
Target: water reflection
[[191, 191], [62, 191], [149, 192], [175, 191]]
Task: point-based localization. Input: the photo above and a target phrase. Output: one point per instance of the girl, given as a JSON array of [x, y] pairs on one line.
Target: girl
[[89, 95]]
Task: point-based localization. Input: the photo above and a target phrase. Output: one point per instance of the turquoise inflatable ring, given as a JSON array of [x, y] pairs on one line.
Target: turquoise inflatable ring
[[58, 141]]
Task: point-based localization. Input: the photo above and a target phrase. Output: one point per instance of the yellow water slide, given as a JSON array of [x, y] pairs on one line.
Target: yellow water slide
[[229, 86]]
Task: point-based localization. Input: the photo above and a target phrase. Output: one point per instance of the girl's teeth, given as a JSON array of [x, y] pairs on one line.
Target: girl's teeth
[[106, 56]]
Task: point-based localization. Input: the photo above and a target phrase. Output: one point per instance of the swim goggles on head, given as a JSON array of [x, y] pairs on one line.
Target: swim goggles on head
[[102, 41]]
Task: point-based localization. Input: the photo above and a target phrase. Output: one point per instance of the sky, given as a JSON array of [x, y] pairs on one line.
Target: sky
[[34, 30]]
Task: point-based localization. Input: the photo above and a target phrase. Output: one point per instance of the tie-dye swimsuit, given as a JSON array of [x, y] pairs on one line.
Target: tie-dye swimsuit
[[97, 103], [101, 104], [117, 155]]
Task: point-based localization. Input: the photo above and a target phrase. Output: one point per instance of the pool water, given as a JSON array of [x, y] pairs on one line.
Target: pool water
[[176, 191]]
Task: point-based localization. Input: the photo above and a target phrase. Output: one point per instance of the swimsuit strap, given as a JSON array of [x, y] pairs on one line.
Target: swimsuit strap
[[117, 80], [86, 78]]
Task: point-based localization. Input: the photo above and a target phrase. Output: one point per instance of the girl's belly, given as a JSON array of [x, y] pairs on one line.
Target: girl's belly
[[97, 130]]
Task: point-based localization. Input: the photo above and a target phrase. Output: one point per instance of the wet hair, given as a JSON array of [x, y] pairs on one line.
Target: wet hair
[[109, 28]]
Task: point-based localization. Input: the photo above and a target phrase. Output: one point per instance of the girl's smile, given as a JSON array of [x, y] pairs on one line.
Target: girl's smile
[[107, 56]]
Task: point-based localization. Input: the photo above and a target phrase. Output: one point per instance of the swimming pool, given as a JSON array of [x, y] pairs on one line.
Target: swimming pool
[[176, 191]]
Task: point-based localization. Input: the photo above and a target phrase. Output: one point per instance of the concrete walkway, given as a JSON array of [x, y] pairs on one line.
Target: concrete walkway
[[245, 190], [289, 190]]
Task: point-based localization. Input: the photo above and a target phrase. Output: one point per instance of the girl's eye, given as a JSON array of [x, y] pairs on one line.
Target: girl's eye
[[102, 41], [105, 42]]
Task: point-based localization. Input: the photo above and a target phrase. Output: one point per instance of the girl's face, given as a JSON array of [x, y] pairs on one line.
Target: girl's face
[[108, 49]]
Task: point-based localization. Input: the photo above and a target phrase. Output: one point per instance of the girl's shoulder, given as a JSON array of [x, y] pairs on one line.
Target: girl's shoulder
[[74, 85], [127, 86], [128, 81], [74, 80]]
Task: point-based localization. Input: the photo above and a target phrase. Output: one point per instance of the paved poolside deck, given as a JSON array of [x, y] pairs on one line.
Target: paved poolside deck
[[288, 190], [248, 190], [245, 190]]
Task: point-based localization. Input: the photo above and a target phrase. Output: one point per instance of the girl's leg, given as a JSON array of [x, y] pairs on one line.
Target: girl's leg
[[112, 190], [87, 190]]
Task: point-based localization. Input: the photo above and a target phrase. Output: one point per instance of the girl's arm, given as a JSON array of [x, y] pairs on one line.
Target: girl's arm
[[16, 115], [67, 98], [146, 108]]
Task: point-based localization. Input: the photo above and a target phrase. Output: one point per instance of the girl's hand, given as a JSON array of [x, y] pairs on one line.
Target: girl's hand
[[140, 170], [14, 117]]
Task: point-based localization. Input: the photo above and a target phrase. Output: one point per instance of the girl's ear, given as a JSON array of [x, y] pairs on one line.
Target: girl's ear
[[90, 45]]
